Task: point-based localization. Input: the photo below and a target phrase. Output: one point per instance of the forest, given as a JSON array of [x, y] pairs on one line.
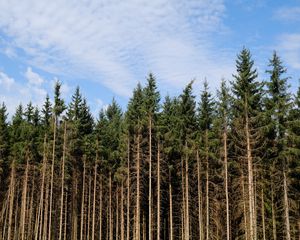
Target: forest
[[225, 167]]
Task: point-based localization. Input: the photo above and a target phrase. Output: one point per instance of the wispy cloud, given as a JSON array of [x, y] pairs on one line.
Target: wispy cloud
[[13, 93], [33, 78], [117, 42], [289, 44], [288, 14]]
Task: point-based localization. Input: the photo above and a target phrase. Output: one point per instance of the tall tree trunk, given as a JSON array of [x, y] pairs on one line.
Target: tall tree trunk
[[158, 191], [183, 218], [199, 197], [128, 192], [62, 183], [89, 207], [245, 208], [286, 207], [117, 213], [82, 200], [274, 228], [263, 214], [252, 219], [23, 202], [46, 212], [11, 199], [100, 208], [171, 206], [150, 178], [187, 216], [226, 182], [138, 227], [74, 204], [31, 207], [94, 200], [122, 210], [39, 222], [207, 184], [66, 216], [52, 179], [110, 209]]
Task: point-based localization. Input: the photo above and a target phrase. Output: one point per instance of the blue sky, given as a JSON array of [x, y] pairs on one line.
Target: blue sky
[[108, 46]]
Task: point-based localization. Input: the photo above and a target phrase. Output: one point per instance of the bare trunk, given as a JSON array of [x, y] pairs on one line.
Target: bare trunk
[[31, 207], [122, 210], [39, 222], [117, 213], [82, 201], [150, 178], [187, 216], [207, 185], [286, 207], [138, 227], [274, 228], [245, 209], [171, 206], [252, 220], [128, 192], [94, 201], [23, 202], [52, 179], [66, 216], [183, 219], [100, 209], [110, 210], [89, 207], [11, 199], [226, 183], [199, 197], [62, 183], [158, 191], [46, 212], [263, 214]]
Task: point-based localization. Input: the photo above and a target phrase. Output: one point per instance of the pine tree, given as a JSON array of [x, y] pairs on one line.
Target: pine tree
[[4, 143], [247, 108]]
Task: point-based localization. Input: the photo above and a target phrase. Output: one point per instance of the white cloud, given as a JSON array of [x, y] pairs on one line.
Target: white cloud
[[33, 77], [6, 82], [117, 42], [13, 93], [288, 14], [289, 44]]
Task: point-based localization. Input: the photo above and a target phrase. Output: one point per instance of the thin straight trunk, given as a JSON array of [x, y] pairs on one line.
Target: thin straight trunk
[[52, 179], [66, 216], [226, 183], [183, 200], [158, 191], [45, 224], [62, 183], [150, 178], [171, 206], [122, 211], [207, 184], [199, 197], [82, 201], [100, 209], [187, 216], [274, 228], [138, 227], [263, 214], [74, 204], [16, 233], [39, 223], [23, 202], [252, 220], [29, 235], [244, 208], [144, 227], [128, 192], [117, 214], [11, 199], [89, 207], [110, 209], [94, 200], [286, 207]]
